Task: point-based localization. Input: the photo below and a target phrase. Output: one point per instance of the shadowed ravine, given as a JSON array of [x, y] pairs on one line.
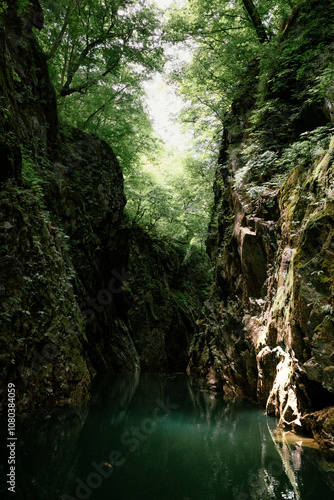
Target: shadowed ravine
[[114, 263]]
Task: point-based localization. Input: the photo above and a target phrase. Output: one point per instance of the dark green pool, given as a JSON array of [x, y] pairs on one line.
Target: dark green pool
[[158, 437]]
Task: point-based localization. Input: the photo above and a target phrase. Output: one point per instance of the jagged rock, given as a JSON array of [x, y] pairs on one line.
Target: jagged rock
[[253, 262]]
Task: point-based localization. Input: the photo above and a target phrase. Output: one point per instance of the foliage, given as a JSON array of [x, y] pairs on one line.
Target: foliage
[[265, 169], [119, 119], [22, 5], [99, 88], [229, 65], [31, 177], [170, 194], [324, 84], [295, 73], [310, 147], [301, 53], [224, 42], [3, 7], [91, 41], [99, 54], [101, 51]]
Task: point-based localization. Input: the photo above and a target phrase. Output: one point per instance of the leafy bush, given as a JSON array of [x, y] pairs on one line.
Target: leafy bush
[[30, 175], [270, 168]]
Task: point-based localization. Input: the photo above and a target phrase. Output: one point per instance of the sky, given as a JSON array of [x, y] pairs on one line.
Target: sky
[[162, 102], [163, 4]]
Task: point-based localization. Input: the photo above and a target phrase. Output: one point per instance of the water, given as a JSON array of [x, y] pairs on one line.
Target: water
[[158, 437]]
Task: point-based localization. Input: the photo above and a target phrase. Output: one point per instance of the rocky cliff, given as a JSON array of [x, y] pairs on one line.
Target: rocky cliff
[[82, 290], [267, 332]]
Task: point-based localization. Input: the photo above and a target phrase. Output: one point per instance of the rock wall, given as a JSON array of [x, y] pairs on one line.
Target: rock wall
[[39, 350], [267, 332]]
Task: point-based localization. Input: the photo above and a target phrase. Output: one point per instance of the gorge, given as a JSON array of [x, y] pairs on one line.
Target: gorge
[[86, 291]]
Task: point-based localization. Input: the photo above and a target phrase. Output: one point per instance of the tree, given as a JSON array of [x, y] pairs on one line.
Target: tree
[[89, 40], [99, 53], [224, 37], [256, 20], [171, 194]]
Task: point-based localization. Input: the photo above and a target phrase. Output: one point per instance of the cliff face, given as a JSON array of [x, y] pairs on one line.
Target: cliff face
[[268, 329], [82, 291], [39, 349]]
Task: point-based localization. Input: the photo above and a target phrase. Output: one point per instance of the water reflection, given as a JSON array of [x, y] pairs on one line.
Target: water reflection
[[163, 438]]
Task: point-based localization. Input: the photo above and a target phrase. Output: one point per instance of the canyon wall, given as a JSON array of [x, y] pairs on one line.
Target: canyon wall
[[267, 331]]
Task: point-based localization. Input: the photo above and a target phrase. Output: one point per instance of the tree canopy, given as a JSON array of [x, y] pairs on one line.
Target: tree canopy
[[101, 51]]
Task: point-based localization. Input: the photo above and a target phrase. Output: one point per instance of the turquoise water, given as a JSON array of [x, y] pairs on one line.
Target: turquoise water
[[158, 437]]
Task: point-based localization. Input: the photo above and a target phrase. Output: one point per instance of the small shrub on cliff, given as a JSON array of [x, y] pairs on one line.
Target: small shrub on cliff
[[3, 7], [259, 165], [30, 176], [265, 168], [309, 148]]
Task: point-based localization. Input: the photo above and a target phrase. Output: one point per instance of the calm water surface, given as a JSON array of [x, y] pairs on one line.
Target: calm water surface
[[158, 437]]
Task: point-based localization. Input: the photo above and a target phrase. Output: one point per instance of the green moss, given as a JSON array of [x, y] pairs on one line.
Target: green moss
[[38, 302], [314, 257]]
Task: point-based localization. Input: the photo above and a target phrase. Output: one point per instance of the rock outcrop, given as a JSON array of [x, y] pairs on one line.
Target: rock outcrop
[[268, 329]]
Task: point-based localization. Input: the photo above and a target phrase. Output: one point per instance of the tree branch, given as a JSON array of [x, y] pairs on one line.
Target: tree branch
[[60, 37], [101, 108], [256, 20], [82, 89]]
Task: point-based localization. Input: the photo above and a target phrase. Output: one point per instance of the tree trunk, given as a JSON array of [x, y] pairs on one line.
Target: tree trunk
[[256, 20]]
